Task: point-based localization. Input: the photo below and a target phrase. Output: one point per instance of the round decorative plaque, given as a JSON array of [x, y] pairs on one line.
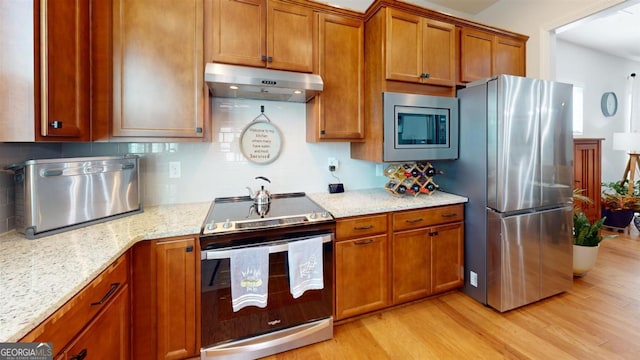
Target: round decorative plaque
[[261, 142]]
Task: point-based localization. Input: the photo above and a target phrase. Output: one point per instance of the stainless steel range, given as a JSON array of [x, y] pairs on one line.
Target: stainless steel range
[[274, 222]]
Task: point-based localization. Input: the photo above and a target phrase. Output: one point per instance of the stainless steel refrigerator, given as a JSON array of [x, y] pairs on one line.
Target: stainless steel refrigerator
[[516, 167]]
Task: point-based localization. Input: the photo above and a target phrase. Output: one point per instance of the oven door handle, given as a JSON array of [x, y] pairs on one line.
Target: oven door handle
[[215, 254]]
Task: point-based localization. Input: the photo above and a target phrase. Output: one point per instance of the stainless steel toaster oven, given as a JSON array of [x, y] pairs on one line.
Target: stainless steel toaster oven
[[56, 195]]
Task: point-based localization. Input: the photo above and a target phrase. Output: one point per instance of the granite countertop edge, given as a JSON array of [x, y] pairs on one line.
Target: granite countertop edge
[[373, 201]]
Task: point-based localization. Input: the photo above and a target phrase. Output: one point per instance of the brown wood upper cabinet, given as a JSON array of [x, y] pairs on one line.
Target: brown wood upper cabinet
[[64, 70], [484, 54], [419, 49], [158, 69], [45, 71], [338, 112], [263, 33]]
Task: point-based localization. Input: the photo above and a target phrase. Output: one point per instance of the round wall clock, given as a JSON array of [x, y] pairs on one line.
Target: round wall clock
[[609, 103]]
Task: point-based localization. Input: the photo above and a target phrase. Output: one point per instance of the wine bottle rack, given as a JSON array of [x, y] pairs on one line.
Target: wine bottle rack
[[411, 179]]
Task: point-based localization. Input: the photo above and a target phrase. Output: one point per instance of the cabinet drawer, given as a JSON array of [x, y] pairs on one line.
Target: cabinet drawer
[[415, 219], [66, 322], [361, 226]]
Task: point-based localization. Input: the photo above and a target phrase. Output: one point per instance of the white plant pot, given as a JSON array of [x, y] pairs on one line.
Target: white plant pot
[[584, 258]]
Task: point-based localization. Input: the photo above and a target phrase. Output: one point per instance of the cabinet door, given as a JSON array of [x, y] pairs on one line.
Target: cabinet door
[[403, 46], [509, 57], [158, 68], [438, 53], [107, 336], [176, 298], [476, 54], [64, 71], [587, 174], [361, 276], [411, 263], [239, 32], [290, 31], [337, 113], [447, 249]]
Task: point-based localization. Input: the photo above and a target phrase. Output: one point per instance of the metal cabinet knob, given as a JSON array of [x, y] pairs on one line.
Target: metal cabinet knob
[[56, 124]]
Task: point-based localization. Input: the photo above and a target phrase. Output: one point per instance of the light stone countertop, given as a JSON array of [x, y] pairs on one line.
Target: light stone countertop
[[39, 276], [371, 201]]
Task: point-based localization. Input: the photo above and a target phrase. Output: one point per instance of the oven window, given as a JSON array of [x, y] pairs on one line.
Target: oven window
[[418, 126], [220, 323]]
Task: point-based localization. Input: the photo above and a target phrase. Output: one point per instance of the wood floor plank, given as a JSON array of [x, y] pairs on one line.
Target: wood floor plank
[[598, 318]]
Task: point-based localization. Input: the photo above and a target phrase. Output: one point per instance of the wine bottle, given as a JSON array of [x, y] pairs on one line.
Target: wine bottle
[[431, 171]]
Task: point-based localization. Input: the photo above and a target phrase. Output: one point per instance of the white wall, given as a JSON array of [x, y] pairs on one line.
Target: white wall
[[597, 73]]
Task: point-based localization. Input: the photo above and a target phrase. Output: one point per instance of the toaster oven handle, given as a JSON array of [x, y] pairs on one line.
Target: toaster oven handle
[[52, 172], [215, 254]]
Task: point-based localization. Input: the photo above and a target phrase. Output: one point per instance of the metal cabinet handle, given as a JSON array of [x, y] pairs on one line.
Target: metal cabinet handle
[[270, 58], [363, 227], [79, 356], [263, 58], [449, 215], [363, 242], [56, 124], [433, 233], [106, 297], [413, 221]]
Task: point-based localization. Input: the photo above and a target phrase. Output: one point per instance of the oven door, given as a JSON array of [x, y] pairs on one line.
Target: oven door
[[221, 325]]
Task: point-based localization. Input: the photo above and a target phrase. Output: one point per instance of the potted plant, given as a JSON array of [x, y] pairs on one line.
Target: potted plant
[[586, 237], [618, 205]]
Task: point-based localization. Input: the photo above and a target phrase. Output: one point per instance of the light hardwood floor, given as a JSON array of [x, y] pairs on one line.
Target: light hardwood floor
[[599, 318]]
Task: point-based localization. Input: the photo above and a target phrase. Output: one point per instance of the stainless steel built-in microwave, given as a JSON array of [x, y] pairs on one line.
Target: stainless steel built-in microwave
[[419, 127]]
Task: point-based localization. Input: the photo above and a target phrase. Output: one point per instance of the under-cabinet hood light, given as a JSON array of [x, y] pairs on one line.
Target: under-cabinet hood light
[[233, 81]]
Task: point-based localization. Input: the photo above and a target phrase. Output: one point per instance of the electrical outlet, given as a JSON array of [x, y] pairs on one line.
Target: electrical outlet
[[174, 169], [473, 279], [333, 162]]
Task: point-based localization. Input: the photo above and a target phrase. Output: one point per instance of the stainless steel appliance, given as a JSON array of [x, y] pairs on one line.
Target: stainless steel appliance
[[419, 127], [233, 81], [516, 168], [55, 195], [286, 322]]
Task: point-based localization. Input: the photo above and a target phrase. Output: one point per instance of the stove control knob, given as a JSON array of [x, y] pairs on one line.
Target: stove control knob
[[211, 226], [313, 215], [227, 224]]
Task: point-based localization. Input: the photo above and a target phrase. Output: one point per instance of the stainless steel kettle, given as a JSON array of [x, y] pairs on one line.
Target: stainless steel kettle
[[262, 196]]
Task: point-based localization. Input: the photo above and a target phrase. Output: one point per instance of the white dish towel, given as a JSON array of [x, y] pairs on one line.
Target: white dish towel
[[249, 277], [305, 266]]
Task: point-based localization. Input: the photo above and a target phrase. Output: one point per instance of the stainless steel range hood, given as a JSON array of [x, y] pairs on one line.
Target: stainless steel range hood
[[233, 81]]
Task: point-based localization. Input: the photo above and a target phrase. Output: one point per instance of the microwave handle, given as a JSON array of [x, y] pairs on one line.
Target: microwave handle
[[214, 254]]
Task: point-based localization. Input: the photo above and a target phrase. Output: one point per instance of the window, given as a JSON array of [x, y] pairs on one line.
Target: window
[[577, 109]]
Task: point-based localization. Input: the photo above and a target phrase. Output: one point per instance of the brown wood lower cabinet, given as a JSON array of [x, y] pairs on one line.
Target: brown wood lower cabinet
[[94, 322], [362, 273], [165, 298], [427, 260], [107, 336], [392, 258]]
